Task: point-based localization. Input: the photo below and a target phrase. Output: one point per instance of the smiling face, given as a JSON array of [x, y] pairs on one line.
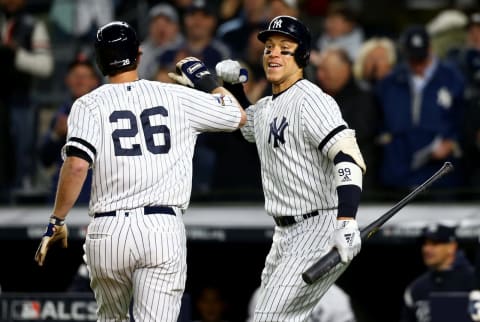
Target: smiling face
[[279, 63]]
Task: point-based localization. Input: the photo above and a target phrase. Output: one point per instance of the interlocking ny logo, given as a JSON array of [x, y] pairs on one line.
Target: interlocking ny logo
[[277, 24], [277, 132]]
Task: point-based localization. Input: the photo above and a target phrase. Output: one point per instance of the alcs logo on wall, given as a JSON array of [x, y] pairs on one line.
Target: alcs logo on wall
[[48, 309]]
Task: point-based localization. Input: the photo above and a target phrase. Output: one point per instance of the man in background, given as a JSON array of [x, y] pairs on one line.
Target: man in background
[[448, 271]]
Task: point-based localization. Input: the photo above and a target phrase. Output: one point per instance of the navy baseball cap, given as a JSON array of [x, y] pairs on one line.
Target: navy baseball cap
[[416, 43], [439, 233], [163, 10]]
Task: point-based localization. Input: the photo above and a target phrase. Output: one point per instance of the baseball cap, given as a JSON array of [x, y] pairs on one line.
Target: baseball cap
[[439, 233], [164, 10], [200, 5], [416, 43]]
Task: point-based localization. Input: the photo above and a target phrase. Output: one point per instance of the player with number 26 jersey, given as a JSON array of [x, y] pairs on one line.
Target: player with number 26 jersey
[[149, 148]]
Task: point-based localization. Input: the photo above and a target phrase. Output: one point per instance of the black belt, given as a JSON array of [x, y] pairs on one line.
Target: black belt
[[290, 220], [147, 210]]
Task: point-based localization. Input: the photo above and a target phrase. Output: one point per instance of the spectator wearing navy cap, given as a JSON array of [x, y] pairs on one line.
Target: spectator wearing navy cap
[[448, 271], [423, 104], [199, 25], [163, 34]]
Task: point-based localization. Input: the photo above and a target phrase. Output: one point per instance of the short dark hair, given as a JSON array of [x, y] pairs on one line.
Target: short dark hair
[[79, 62]]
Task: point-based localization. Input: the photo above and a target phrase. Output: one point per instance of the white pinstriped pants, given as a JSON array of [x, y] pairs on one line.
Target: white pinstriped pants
[[284, 296], [139, 257]]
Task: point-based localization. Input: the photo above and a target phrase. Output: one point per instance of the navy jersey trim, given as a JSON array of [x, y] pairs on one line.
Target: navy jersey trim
[[73, 151], [84, 143], [331, 135]]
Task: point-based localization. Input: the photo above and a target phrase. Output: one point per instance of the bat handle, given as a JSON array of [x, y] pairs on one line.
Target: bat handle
[[315, 271]]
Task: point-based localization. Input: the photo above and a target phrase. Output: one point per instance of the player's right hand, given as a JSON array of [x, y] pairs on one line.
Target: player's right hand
[[346, 239], [56, 230], [231, 71]]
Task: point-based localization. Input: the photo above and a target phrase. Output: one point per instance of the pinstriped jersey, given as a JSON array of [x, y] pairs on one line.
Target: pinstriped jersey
[[293, 132], [140, 136]]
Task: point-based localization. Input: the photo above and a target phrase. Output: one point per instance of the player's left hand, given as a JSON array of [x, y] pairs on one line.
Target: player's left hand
[[474, 305], [346, 239], [192, 72], [56, 230]]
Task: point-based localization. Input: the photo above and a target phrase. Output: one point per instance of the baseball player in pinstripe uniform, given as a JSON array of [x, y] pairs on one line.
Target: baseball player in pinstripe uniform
[[311, 169], [138, 136]]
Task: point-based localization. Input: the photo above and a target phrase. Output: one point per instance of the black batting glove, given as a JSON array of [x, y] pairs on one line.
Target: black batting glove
[[192, 72]]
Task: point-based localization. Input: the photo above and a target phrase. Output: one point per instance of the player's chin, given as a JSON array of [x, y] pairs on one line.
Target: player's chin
[[273, 76]]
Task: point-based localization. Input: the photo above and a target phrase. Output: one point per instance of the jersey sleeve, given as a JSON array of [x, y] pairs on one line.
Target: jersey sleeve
[[324, 124], [248, 130], [210, 112], [83, 129]]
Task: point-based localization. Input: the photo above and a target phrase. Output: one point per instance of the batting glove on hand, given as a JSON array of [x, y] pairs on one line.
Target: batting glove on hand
[[231, 71], [56, 230], [192, 72], [474, 305], [346, 239]]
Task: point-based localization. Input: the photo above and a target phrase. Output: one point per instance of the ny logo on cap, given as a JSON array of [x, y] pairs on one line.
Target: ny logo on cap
[[277, 24]]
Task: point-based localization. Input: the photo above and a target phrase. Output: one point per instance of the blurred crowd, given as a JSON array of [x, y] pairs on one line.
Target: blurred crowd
[[407, 80]]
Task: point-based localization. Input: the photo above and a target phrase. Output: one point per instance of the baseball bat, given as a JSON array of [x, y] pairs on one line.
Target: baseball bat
[[332, 258]]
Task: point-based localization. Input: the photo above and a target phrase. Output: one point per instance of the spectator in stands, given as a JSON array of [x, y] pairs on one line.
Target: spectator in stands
[[80, 20], [341, 30], [422, 103], [25, 54], [81, 78], [447, 31], [211, 305], [229, 9], [283, 8], [163, 33], [375, 60], [359, 109], [200, 25], [234, 33], [467, 58], [448, 271], [257, 85]]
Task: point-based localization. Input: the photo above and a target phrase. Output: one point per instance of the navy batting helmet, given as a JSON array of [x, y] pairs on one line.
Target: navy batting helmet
[[293, 28], [116, 47]]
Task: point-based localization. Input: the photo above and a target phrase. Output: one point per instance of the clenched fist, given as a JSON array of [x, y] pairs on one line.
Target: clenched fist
[[231, 71]]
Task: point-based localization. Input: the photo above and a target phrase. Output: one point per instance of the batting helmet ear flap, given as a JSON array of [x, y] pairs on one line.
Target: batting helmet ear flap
[[302, 56]]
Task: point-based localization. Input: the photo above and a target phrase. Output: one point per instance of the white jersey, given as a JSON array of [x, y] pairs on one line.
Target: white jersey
[[293, 133], [140, 136]]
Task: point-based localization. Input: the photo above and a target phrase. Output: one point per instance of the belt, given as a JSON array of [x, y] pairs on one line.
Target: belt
[[290, 220], [147, 210]]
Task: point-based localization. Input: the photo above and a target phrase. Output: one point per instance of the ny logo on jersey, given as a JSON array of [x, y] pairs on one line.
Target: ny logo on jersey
[[277, 131], [277, 24]]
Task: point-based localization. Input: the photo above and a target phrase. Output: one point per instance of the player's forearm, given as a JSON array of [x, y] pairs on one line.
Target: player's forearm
[[223, 91], [72, 176]]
